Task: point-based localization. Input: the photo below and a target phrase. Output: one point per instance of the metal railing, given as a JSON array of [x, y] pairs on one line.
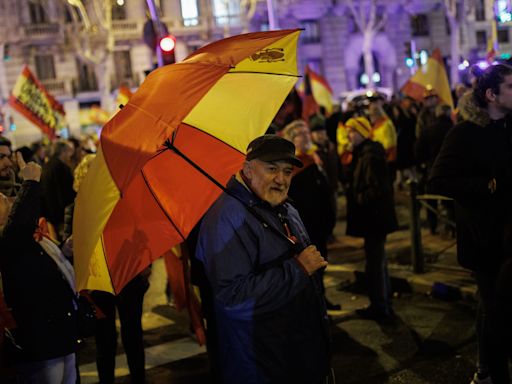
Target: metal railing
[[416, 201]]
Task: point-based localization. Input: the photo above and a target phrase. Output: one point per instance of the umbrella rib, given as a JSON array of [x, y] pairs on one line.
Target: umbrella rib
[[173, 148], [264, 73], [160, 205]]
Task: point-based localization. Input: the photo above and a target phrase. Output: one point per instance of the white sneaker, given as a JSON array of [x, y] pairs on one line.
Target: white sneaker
[[477, 380]]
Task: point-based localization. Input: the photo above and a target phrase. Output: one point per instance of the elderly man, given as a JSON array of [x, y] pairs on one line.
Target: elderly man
[[268, 317]]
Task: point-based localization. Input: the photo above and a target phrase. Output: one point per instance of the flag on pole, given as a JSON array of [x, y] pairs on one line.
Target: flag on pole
[[319, 89], [30, 98], [492, 43], [433, 76], [309, 104]]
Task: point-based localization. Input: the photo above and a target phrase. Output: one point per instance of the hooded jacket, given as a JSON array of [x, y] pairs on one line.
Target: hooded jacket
[[473, 153], [270, 317]]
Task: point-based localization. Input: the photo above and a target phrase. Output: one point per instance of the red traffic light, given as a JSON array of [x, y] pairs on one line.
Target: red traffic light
[[167, 43]]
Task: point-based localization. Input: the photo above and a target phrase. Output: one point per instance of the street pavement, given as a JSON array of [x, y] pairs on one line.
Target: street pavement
[[431, 341]]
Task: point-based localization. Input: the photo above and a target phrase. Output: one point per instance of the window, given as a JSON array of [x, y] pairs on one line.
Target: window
[[189, 13], [123, 66], [86, 77], [311, 33], [118, 11], [481, 39], [503, 36], [45, 67], [480, 10], [419, 25], [226, 12], [37, 12]]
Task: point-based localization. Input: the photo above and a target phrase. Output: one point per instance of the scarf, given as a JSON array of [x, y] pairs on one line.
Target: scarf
[[41, 235]]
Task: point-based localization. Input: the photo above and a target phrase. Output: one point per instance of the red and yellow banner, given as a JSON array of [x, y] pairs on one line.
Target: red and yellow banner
[[30, 98]]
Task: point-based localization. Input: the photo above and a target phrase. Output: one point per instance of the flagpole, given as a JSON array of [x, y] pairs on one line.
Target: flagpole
[[272, 20]]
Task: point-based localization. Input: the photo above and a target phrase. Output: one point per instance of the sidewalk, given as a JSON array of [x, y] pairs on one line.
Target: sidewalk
[[443, 277]]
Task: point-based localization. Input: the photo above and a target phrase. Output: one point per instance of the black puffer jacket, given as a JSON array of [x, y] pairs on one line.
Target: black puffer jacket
[[475, 151], [39, 296], [370, 203]]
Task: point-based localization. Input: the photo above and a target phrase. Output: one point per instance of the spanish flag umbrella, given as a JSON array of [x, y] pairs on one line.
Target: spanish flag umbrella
[[147, 187]]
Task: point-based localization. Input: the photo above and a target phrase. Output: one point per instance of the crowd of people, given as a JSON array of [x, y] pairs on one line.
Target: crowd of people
[[41, 331], [262, 248]]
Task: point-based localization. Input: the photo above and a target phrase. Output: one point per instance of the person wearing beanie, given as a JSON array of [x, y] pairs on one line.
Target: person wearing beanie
[[370, 214], [266, 320], [359, 124]]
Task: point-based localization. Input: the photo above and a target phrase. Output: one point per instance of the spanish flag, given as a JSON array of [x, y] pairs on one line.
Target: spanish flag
[[30, 98], [433, 76], [319, 88]]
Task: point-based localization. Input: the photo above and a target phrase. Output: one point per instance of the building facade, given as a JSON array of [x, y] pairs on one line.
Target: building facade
[[82, 55]]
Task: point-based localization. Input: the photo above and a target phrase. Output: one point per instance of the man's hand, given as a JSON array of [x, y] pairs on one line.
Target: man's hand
[[30, 171], [311, 259]]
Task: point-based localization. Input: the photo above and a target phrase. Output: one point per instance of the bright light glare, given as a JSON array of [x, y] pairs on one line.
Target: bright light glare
[[167, 44], [482, 64]]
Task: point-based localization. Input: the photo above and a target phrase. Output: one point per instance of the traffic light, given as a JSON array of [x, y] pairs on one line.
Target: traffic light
[[167, 45]]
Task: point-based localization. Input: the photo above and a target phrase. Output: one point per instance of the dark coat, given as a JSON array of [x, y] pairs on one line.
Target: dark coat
[[474, 152], [40, 298], [271, 322], [431, 139], [405, 139], [370, 202], [310, 195]]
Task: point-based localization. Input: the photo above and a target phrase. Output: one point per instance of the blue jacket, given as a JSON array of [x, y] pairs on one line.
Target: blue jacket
[[271, 323]]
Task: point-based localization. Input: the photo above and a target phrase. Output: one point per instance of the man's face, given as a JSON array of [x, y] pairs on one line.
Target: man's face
[[320, 136], [504, 99], [269, 181], [5, 160], [354, 137]]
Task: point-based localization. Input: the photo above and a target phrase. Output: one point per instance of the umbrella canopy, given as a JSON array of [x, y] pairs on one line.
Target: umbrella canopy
[[140, 196]]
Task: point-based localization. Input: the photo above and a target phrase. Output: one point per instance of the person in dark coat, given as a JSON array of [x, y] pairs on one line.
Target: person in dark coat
[[427, 148], [270, 321], [474, 167], [310, 192], [57, 184], [371, 213], [38, 285], [405, 118]]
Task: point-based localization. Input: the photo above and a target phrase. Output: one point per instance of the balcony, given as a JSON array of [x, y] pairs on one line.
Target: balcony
[[57, 87], [127, 29], [47, 31]]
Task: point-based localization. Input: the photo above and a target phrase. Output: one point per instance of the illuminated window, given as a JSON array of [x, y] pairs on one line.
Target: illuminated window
[[189, 13], [311, 33], [226, 12]]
